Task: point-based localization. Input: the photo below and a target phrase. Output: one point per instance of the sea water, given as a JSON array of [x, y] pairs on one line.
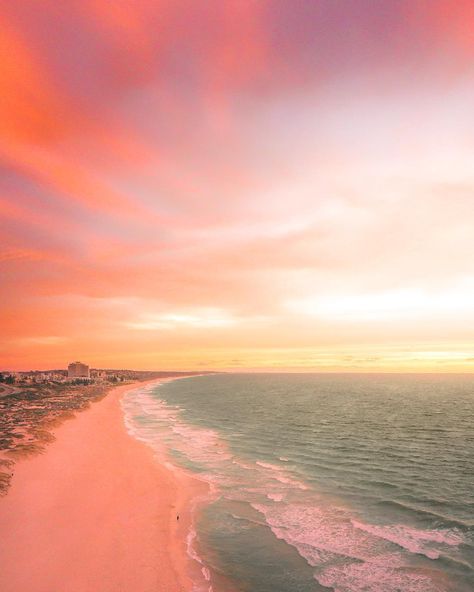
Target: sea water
[[353, 483]]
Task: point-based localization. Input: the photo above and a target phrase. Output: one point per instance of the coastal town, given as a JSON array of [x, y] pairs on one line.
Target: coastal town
[[75, 371], [33, 402]]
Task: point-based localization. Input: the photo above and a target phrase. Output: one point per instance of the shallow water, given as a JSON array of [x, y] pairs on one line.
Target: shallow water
[[356, 483]]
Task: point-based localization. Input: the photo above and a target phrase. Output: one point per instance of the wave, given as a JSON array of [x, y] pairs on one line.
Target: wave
[[351, 556], [139, 404], [347, 553], [419, 511], [190, 547], [413, 539]]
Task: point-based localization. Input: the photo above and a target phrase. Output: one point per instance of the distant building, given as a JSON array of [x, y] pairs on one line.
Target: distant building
[[78, 370], [99, 374]]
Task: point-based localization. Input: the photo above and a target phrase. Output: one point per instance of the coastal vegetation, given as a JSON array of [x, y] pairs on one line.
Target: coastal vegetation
[[28, 411]]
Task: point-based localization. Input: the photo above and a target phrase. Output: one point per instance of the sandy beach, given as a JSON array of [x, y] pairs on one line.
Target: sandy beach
[[96, 512]]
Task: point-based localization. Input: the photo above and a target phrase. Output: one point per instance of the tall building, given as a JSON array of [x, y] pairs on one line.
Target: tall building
[[78, 370]]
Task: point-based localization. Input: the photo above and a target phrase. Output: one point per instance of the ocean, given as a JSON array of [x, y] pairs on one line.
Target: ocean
[[344, 482]]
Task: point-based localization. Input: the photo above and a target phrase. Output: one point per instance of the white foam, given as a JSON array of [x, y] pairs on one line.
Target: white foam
[[276, 497], [266, 465], [372, 576], [190, 548], [325, 535], [413, 539]]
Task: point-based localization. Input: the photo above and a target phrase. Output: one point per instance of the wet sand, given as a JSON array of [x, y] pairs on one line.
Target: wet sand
[[96, 512]]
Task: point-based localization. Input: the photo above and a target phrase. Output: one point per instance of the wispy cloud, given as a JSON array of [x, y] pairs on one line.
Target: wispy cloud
[[198, 319]]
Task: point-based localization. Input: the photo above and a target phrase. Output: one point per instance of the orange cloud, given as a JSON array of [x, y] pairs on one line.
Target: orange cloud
[[451, 22], [29, 108], [176, 174]]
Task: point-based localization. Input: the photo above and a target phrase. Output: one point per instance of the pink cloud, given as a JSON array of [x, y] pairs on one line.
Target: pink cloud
[[182, 157]]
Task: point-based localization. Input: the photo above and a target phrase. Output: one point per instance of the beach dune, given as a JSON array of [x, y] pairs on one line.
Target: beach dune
[[95, 512]]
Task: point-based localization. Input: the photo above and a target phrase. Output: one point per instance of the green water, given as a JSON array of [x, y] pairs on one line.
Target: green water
[[348, 482]]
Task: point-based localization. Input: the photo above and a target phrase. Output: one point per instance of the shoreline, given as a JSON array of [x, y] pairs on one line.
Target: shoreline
[[97, 511]]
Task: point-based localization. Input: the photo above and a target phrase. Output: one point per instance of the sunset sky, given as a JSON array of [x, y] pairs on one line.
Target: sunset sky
[[237, 184]]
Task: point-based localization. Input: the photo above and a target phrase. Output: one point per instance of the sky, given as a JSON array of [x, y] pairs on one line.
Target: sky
[[237, 184]]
